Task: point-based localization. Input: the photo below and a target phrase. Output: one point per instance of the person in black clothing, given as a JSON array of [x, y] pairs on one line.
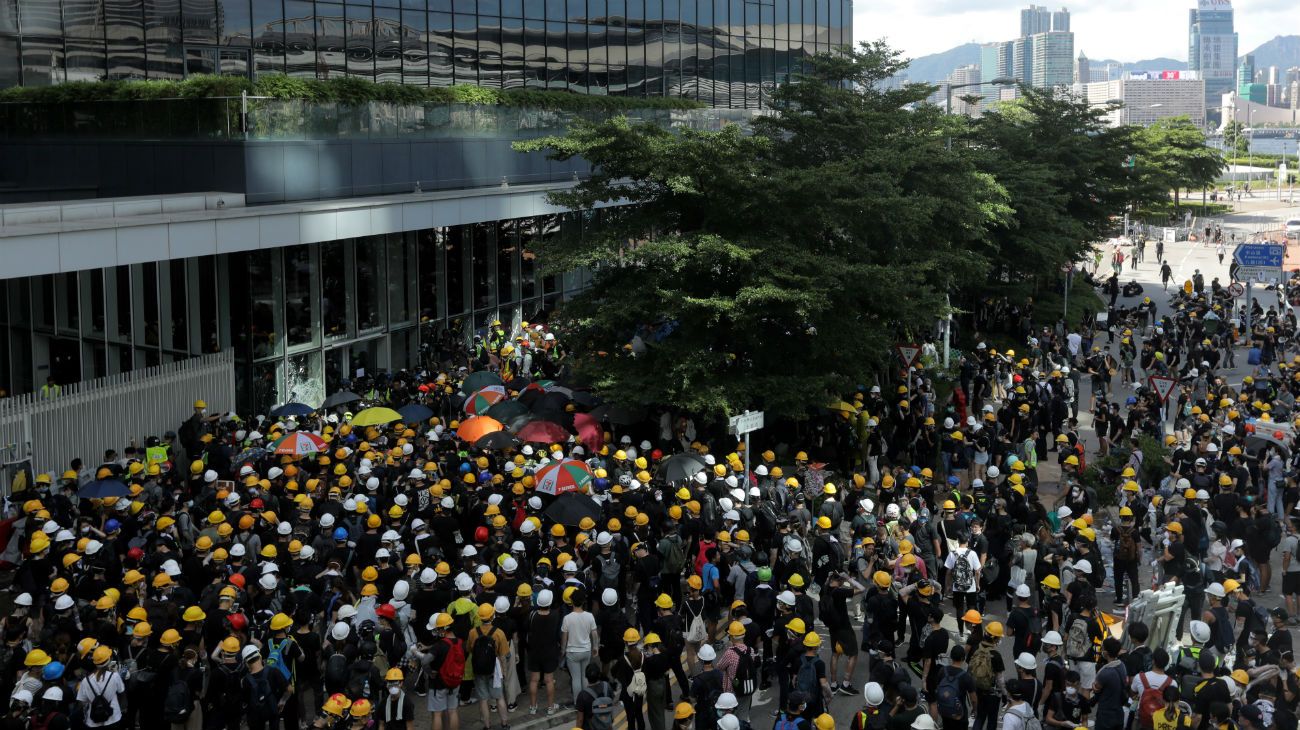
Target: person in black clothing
[[1207, 692], [263, 691], [705, 689], [396, 711], [933, 648], [965, 687]]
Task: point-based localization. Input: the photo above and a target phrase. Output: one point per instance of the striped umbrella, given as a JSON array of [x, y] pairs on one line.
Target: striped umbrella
[[299, 443], [484, 398], [569, 475]]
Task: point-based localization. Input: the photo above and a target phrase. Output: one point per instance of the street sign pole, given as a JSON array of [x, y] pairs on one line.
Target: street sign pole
[[743, 425]]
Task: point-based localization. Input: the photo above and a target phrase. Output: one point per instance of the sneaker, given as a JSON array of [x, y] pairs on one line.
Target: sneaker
[[552, 710], [532, 709], [846, 689], [512, 706]]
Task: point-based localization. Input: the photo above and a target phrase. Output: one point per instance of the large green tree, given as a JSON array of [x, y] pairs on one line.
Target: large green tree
[[776, 268], [1173, 154], [1065, 175]]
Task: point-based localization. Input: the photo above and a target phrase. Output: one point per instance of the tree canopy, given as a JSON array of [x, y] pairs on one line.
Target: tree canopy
[[1173, 155], [775, 267]]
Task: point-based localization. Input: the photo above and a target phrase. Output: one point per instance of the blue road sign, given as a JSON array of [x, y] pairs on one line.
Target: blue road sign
[[1260, 255]]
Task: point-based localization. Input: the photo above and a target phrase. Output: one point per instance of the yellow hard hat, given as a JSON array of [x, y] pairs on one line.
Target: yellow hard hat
[[994, 628], [824, 722], [37, 658], [101, 655], [812, 639], [631, 636], [193, 613], [280, 621], [735, 629], [664, 601], [683, 711], [142, 630], [170, 637], [824, 522], [796, 625], [1052, 582]]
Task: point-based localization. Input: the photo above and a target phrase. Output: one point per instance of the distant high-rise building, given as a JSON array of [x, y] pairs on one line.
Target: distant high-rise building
[[995, 63], [1037, 19], [1149, 96], [1212, 48], [1053, 59], [1245, 73], [1273, 75], [1082, 70], [1061, 21]]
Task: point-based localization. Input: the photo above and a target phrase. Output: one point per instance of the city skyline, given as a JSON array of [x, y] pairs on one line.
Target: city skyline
[[1104, 29]]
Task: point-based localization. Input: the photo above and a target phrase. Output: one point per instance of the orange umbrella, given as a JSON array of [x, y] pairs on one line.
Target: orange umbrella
[[473, 429]]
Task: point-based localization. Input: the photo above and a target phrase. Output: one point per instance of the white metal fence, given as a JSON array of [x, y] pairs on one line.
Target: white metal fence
[[87, 418]]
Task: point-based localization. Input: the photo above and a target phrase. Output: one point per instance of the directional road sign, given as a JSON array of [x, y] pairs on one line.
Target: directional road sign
[[1261, 255], [746, 422]]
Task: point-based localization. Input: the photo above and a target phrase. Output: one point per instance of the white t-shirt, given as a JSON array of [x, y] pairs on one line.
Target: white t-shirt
[[579, 627], [1291, 544], [973, 560], [109, 687], [1155, 681]]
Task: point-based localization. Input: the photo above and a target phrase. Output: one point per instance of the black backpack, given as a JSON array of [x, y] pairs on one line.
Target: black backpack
[[101, 709], [745, 680], [336, 673], [261, 700], [179, 702], [359, 679], [483, 656]]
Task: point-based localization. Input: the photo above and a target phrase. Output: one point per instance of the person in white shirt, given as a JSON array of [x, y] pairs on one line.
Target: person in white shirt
[[579, 639], [103, 685], [1155, 679], [1019, 713]]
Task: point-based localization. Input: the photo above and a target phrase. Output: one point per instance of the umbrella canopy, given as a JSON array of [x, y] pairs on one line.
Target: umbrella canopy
[[291, 409], [101, 488], [480, 379], [841, 406], [507, 410], [619, 415], [474, 428], [484, 398], [376, 417], [341, 398], [249, 455], [569, 509], [549, 402], [299, 443], [589, 431], [415, 412], [543, 432], [569, 475], [519, 383], [497, 441], [585, 398], [680, 467]]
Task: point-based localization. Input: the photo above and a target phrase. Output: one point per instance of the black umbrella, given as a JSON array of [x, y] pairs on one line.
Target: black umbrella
[[292, 409], [549, 402], [415, 412], [480, 379], [101, 488], [507, 410], [680, 467], [341, 398], [519, 383], [585, 399], [571, 507], [497, 441]]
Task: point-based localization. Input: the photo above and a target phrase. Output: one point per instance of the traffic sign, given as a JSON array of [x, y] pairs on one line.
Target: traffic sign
[[1259, 274], [1261, 255], [746, 422], [1236, 289], [1163, 386], [908, 354]]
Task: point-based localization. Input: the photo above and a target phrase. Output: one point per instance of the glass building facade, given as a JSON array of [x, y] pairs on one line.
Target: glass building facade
[[726, 53], [301, 319]]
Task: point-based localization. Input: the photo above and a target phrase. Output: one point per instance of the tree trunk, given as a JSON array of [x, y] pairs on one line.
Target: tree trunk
[[1176, 192]]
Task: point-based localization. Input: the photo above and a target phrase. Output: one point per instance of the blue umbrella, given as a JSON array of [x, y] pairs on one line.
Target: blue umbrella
[[292, 409], [414, 413], [101, 488]]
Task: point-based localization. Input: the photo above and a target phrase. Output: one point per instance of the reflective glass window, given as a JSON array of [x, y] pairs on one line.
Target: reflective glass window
[[305, 378], [40, 17], [484, 243], [439, 48], [403, 273], [388, 44], [84, 19], [512, 8], [42, 61], [236, 22], [507, 261], [299, 300], [175, 305], [118, 305], [92, 302], [334, 289], [265, 302], [164, 57], [443, 6], [430, 239], [489, 51], [576, 10], [205, 289], [10, 66], [360, 41], [9, 16], [535, 9], [331, 48], [512, 52], [370, 282], [548, 229], [199, 21], [144, 286], [484, 8], [86, 59], [415, 55], [455, 247], [300, 25], [528, 239], [465, 49]]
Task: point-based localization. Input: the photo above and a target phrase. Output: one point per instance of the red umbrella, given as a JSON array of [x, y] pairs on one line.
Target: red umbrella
[[543, 432], [569, 475], [589, 431]]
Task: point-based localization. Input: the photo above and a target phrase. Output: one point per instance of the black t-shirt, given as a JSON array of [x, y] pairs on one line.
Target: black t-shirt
[[1069, 707], [1207, 692], [1019, 624], [387, 707], [1174, 566], [934, 647], [965, 685], [587, 698]]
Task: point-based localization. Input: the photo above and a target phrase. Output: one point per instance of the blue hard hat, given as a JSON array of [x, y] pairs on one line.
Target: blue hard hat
[[916, 469], [1130, 400], [112, 526], [465, 467], [53, 670], [954, 481], [340, 533]]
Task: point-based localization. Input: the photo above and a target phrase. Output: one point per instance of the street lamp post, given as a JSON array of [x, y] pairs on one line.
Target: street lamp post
[[947, 104]]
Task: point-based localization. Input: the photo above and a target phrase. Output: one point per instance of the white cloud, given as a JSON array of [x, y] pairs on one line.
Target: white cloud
[[1126, 30]]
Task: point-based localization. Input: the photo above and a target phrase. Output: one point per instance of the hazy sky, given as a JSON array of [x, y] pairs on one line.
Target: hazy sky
[[1124, 30]]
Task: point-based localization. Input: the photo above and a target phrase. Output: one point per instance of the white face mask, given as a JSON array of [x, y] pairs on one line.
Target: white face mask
[[394, 691], [1071, 691]]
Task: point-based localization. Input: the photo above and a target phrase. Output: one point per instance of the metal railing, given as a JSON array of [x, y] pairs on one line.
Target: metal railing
[[87, 418]]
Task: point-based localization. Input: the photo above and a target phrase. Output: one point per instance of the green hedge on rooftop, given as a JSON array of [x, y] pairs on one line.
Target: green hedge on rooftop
[[341, 90]]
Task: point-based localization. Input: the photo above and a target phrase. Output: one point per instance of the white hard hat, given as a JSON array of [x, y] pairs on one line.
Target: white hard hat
[[249, 651], [891, 512], [924, 722], [307, 553], [23, 696], [274, 472], [570, 566], [401, 589], [731, 481], [732, 515], [494, 499], [786, 597], [468, 551], [447, 503], [502, 604], [270, 567], [1026, 661], [701, 477], [609, 597], [340, 631], [237, 550], [509, 565], [382, 553], [544, 598], [535, 502], [327, 520], [268, 582], [728, 722], [53, 694], [727, 701], [346, 611], [1216, 590], [63, 602], [1083, 566], [725, 504], [707, 654], [1202, 494], [1022, 590], [793, 545], [1053, 638], [284, 528], [1064, 512], [1200, 631], [390, 536], [760, 470], [23, 599], [464, 582], [993, 472], [874, 694], [428, 576], [604, 538]]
